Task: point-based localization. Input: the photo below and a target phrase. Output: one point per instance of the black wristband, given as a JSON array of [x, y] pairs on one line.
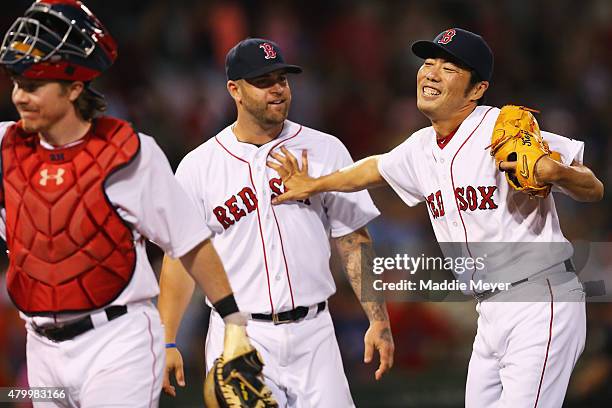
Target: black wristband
[[226, 306]]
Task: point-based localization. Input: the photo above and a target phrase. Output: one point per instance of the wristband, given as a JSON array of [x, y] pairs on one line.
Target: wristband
[[226, 306], [170, 345]]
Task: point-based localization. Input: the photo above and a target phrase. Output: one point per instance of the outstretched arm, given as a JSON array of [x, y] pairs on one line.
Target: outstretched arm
[[357, 257], [299, 185], [577, 180]]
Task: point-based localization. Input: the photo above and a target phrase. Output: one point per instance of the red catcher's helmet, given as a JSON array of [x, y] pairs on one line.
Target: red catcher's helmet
[[58, 39]]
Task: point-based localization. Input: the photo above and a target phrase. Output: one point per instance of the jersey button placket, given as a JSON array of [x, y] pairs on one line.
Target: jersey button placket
[[267, 226]]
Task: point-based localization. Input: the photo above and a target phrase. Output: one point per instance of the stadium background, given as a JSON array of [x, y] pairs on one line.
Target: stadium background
[[359, 84]]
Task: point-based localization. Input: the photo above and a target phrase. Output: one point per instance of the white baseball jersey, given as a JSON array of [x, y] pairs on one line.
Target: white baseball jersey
[[524, 352], [147, 196], [276, 257], [470, 201]]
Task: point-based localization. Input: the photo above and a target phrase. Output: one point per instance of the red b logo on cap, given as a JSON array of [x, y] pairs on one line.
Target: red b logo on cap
[[447, 36], [269, 50]]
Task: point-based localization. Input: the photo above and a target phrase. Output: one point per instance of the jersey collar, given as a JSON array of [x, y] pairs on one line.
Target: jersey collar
[[443, 141], [246, 151], [459, 135]]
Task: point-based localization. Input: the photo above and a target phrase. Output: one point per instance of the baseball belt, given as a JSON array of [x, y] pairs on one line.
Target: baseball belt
[[290, 316], [569, 267], [69, 331]]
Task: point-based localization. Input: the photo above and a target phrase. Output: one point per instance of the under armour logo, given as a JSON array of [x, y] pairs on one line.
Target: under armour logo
[[269, 50], [447, 36], [44, 174]]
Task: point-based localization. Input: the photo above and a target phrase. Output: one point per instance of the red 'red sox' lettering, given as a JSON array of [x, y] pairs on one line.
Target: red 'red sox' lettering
[[435, 204], [276, 185], [468, 198], [479, 198], [248, 198], [245, 202], [236, 212], [232, 211], [221, 214]]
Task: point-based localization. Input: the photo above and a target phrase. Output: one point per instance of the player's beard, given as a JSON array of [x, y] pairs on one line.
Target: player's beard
[[263, 114], [33, 125]]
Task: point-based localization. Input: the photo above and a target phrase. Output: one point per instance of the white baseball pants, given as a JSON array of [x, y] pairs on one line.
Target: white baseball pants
[[303, 366], [525, 351], [116, 365]]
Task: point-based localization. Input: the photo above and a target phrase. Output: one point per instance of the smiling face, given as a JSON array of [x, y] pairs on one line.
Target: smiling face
[[266, 98], [444, 88], [41, 104]]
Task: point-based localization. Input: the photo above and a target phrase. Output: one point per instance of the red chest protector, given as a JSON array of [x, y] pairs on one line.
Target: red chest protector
[[69, 249]]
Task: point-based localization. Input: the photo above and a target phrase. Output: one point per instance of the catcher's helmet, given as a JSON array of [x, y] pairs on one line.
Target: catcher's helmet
[[58, 39]]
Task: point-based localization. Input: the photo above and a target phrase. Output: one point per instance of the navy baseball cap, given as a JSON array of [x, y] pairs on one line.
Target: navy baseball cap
[[468, 48], [253, 57]]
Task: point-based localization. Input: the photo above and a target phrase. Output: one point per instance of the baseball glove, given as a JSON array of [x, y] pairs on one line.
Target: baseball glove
[[235, 379], [516, 137]]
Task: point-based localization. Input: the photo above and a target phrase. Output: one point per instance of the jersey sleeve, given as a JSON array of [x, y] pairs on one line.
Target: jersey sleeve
[[571, 150], [347, 212], [397, 168], [188, 176], [151, 199]]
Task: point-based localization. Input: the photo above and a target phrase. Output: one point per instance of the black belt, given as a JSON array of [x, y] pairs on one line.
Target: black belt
[[289, 316], [70, 330], [569, 267]]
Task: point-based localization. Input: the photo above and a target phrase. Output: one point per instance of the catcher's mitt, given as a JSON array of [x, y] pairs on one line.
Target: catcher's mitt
[[516, 137], [235, 379]]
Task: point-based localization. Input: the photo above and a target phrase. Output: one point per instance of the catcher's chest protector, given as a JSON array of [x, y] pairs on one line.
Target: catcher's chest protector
[[69, 249]]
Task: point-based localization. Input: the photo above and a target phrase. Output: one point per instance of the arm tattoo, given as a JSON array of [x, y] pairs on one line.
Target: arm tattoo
[[357, 255]]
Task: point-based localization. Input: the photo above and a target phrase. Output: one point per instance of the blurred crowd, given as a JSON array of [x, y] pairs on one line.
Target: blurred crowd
[[359, 85]]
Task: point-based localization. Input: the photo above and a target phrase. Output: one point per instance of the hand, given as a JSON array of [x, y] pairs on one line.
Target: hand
[[298, 185], [245, 384], [174, 362], [379, 337], [546, 169], [236, 341]]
